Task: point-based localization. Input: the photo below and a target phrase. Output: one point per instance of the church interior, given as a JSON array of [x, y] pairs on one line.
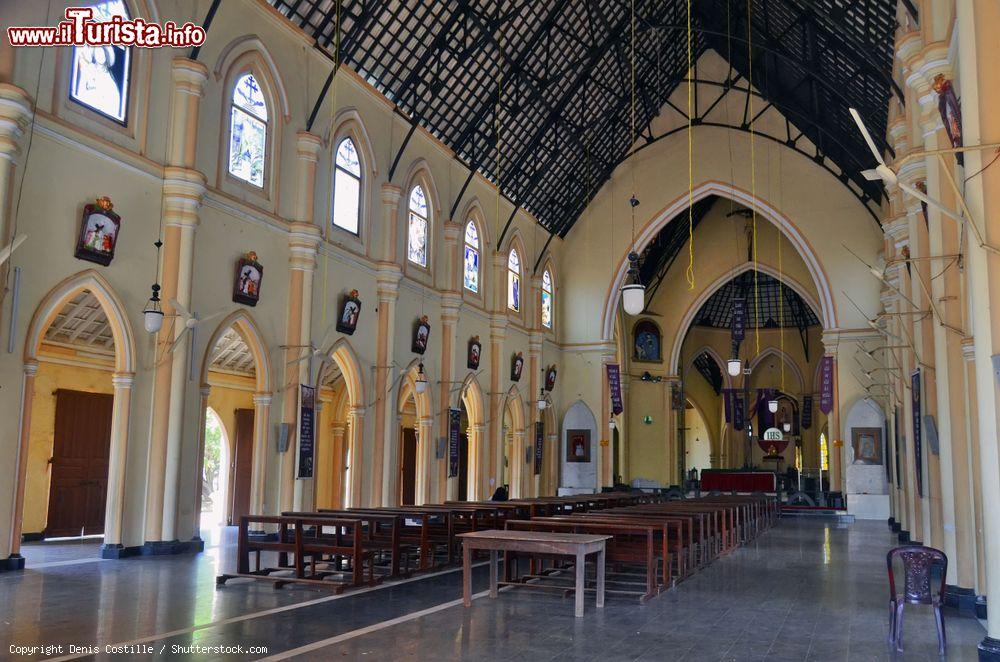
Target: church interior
[[493, 329]]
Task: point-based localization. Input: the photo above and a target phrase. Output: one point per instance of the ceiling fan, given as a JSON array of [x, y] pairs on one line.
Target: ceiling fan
[[5, 252], [886, 175], [191, 322]]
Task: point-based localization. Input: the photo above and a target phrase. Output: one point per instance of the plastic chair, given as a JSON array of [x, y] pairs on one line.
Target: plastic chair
[[918, 562]]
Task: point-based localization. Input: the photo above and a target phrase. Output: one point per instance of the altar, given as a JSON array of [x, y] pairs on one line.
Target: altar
[[728, 480]]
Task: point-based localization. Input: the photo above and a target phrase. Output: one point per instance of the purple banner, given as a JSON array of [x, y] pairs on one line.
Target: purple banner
[[307, 430], [615, 387], [918, 450], [826, 384], [807, 412], [727, 399], [739, 319], [454, 440], [738, 421]]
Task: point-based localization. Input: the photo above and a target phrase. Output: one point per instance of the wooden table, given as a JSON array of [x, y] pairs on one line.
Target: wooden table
[[577, 545]]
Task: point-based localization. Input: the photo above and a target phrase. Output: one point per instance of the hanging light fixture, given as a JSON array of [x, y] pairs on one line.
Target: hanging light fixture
[[772, 405], [786, 426], [542, 403], [611, 424], [152, 314], [633, 291], [733, 366], [421, 381]]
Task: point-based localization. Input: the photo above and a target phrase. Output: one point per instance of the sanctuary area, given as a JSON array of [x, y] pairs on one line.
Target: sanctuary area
[[500, 329]]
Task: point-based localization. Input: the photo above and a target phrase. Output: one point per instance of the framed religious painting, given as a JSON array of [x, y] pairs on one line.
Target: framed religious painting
[[646, 341], [578, 445], [550, 378], [249, 275], [867, 444], [475, 352], [421, 333], [516, 367], [350, 310], [98, 234]]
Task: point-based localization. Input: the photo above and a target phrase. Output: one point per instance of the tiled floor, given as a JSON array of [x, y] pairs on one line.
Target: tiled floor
[[806, 590]]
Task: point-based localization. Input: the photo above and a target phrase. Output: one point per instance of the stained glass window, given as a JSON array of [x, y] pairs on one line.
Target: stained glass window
[[416, 244], [100, 76], [547, 299], [347, 187], [824, 453], [248, 131], [471, 257], [513, 280]]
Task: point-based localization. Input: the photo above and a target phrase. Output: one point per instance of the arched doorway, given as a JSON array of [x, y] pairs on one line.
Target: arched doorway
[[414, 440], [236, 384], [514, 469], [697, 438], [470, 471], [341, 426], [79, 365], [215, 475]]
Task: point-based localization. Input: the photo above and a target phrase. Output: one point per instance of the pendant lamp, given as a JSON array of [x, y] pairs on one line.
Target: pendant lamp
[[421, 381]]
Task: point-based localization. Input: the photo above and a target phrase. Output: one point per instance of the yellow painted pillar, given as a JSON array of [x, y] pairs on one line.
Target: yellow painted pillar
[[425, 459], [451, 303], [978, 53], [114, 506], [356, 455], [498, 333], [532, 486], [261, 413], [388, 275], [304, 238], [27, 401], [183, 188]]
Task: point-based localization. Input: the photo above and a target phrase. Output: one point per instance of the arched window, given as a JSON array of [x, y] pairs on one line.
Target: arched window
[[248, 131], [100, 76], [416, 239], [347, 187], [547, 299], [471, 257], [513, 280]]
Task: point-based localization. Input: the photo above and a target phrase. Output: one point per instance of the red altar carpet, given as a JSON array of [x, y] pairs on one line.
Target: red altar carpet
[[741, 481]]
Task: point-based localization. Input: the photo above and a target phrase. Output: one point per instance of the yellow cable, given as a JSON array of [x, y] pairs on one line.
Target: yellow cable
[[496, 123], [753, 179], [781, 312], [690, 269]]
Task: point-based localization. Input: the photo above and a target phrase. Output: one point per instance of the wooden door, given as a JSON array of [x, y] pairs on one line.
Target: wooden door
[[463, 467], [80, 447], [408, 467], [241, 467]]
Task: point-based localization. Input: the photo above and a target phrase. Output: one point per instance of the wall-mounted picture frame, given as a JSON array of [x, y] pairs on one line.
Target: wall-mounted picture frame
[[249, 277], [867, 444], [646, 341], [475, 353], [421, 334], [350, 311], [516, 367], [98, 235], [550, 378], [578, 445]]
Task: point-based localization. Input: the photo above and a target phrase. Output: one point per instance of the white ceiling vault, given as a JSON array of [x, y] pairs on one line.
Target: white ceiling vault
[[231, 354], [82, 324]]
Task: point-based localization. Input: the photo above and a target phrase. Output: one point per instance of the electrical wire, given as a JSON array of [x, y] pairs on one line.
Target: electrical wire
[[753, 177], [689, 274]]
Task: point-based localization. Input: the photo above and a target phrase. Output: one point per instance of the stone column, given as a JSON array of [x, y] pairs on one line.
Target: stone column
[[304, 238], [261, 414], [836, 452], [336, 497], [356, 428], [387, 277], [477, 438], [534, 415], [16, 561], [117, 450], [518, 466], [183, 188], [498, 333], [15, 113], [202, 413], [451, 303], [978, 52], [425, 459]]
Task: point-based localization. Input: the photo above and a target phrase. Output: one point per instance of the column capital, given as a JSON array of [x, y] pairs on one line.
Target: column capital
[[451, 303], [205, 390], [189, 76], [478, 428], [123, 379], [387, 277], [31, 368], [498, 325], [303, 244], [183, 189], [391, 194], [15, 112], [452, 232], [338, 430], [356, 412], [969, 349], [535, 340], [830, 339], [923, 64], [897, 229], [308, 146], [262, 399], [899, 135]]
